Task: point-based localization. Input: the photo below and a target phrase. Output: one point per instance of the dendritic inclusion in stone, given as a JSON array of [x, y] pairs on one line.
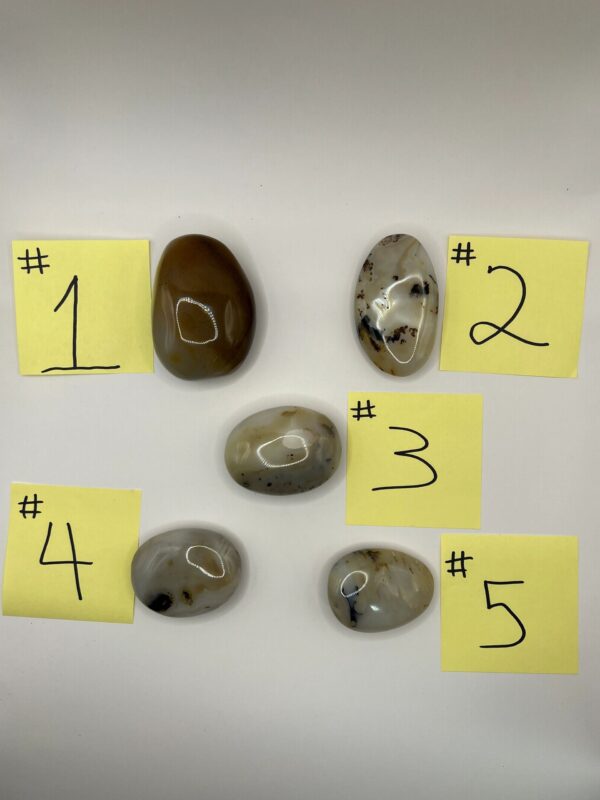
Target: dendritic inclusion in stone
[[283, 450], [375, 590], [185, 572], [396, 305]]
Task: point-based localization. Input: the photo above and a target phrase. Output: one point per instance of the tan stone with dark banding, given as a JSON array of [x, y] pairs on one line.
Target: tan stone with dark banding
[[203, 310]]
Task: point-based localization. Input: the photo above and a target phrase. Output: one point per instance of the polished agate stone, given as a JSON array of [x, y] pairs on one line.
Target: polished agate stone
[[396, 305], [283, 450], [380, 589], [185, 572], [203, 310]]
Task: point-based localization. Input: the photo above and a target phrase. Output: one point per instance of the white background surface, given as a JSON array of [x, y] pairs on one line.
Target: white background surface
[[299, 134]]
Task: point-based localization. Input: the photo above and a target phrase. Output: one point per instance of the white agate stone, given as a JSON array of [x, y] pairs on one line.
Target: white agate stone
[[185, 572], [379, 589], [396, 305]]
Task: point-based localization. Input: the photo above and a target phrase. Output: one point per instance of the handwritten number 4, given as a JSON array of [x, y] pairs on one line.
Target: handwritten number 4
[[410, 453], [74, 561]]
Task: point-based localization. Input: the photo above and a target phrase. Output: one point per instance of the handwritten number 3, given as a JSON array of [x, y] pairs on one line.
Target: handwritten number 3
[[497, 329], [411, 454]]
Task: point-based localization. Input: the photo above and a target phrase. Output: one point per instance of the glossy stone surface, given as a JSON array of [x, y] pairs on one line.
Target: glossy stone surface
[[283, 450], [185, 572], [396, 305], [379, 589], [203, 309]]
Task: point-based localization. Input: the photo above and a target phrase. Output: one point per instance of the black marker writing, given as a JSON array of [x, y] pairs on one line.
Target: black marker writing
[[73, 288], [409, 453], [74, 561], [466, 254], [498, 329], [365, 411], [490, 605], [29, 508], [34, 262], [460, 560]]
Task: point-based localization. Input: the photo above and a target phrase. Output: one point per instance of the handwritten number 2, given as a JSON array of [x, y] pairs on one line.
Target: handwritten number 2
[[490, 605], [410, 453], [498, 329]]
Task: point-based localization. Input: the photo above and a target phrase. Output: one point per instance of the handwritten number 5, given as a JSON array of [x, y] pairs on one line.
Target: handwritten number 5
[[498, 329], [411, 454], [490, 605]]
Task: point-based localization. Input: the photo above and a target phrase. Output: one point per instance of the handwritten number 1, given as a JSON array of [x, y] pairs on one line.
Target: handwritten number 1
[[73, 288], [498, 329]]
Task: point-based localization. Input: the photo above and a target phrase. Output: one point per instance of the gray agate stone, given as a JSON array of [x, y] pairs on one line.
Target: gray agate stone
[[283, 450], [375, 590], [185, 572], [396, 305]]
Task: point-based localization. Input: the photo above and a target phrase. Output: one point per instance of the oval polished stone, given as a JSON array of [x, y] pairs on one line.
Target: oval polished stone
[[185, 572], [396, 305], [379, 589], [283, 450], [203, 310]]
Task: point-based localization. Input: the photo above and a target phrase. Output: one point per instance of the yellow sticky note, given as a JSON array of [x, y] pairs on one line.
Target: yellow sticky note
[[509, 603], [414, 459], [83, 307], [514, 306], [69, 552]]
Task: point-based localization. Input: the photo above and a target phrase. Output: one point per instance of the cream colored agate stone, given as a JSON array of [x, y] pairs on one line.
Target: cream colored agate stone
[[379, 589], [185, 572], [283, 450], [396, 305]]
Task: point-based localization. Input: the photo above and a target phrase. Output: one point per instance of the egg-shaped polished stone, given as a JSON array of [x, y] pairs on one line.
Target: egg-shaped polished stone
[[379, 589], [185, 572], [396, 305], [283, 450], [203, 309]]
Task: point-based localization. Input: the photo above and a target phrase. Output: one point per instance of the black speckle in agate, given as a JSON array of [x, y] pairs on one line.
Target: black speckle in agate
[[396, 305], [185, 572], [283, 450], [378, 589]]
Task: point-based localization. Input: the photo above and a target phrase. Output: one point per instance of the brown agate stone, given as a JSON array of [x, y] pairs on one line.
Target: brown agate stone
[[203, 312]]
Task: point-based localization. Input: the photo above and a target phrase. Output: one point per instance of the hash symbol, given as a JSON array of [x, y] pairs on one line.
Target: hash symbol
[[465, 254], [363, 411], [29, 261], [454, 560], [26, 504]]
